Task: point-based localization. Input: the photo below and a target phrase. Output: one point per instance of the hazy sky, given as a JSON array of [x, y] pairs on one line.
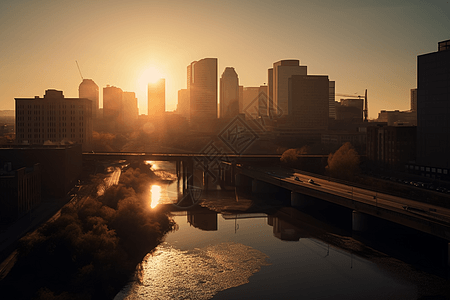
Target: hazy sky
[[361, 45]]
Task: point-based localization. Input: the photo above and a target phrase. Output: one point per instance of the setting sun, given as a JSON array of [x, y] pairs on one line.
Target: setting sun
[[150, 75]]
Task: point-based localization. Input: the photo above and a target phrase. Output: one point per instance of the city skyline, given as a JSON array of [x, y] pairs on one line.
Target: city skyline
[[359, 45]]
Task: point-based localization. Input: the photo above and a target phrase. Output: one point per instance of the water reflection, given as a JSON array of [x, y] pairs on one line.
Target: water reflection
[[155, 191]]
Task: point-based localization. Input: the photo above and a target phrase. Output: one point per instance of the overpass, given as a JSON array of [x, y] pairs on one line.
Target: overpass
[[424, 217]]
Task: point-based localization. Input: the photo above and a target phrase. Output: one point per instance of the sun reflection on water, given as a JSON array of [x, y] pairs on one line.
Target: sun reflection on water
[[155, 190]]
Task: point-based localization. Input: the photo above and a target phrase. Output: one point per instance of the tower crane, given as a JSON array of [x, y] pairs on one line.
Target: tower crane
[[365, 110], [79, 71]]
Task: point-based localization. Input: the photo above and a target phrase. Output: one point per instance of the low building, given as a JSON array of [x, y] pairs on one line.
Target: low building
[[391, 147], [20, 191], [60, 166]]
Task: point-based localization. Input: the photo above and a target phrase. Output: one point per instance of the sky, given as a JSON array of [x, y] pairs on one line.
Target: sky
[[359, 44]]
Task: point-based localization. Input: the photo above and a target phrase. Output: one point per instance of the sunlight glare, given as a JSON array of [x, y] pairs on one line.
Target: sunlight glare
[[155, 190], [150, 75]]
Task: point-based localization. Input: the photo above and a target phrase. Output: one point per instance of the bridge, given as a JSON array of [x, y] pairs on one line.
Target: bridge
[[305, 189]]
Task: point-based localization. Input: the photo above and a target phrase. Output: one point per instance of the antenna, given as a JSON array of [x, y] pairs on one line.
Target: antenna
[[79, 71], [366, 109]]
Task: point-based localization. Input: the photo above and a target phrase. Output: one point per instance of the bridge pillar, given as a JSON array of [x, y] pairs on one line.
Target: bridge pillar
[[242, 180], [360, 221], [300, 200], [259, 186]]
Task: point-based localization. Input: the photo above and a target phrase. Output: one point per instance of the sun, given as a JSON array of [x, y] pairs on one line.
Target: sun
[[150, 75]]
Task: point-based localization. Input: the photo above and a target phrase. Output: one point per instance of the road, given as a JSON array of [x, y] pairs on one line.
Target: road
[[382, 200]]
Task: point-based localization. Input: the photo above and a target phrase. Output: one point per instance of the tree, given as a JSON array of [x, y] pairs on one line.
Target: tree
[[344, 163]]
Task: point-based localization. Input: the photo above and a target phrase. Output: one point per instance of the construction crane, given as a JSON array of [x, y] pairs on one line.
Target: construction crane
[[79, 71], [365, 110]]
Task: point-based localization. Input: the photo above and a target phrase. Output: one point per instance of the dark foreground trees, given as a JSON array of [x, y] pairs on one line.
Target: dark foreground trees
[[91, 252]]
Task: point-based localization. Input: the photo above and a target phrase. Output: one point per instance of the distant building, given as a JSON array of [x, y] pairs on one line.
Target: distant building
[[279, 90], [183, 103], [202, 89], [229, 93], [157, 98], [350, 110], [89, 89], [241, 99], [250, 95], [270, 108], [130, 109], [308, 102], [331, 101], [54, 119], [414, 99], [433, 108], [396, 117], [112, 107]]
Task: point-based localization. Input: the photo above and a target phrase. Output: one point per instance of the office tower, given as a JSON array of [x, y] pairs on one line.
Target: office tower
[[112, 105], [433, 109], [262, 101], [54, 119], [282, 71], [331, 101], [241, 99], [202, 89], [413, 99], [130, 109], [308, 102], [270, 92], [183, 103], [250, 95], [88, 89], [157, 98], [229, 93]]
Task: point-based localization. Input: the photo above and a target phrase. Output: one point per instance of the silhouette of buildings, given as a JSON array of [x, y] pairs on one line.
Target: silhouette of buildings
[[89, 89], [54, 119], [332, 104], [113, 116], [202, 89], [308, 102], [21, 191], [433, 110], [183, 108], [396, 117], [157, 98], [350, 110], [229, 93], [391, 146], [413, 99], [130, 109], [278, 86]]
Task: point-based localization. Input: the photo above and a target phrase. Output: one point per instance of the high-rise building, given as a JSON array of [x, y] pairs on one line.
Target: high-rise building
[[54, 119], [270, 109], [331, 100], [433, 109], [282, 71], [157, 98], [309, 102], [241, 99], [229, 93], [183, 103], [250, 95], [202, 89], [413, 99], [130, 109], [112, 105], [89, 89]]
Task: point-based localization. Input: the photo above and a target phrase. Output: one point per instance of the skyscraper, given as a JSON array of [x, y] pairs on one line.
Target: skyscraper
[[229, 93], [157, 98], [130, 109], [89, 89], [202, 89], [413, 99], [433, 109], [282, 71], [183, 103]]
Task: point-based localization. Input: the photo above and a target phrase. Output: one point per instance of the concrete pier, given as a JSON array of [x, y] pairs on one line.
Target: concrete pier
[[360, 221]]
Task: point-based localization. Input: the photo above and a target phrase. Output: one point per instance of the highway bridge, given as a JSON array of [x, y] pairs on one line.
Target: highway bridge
[[304, 189]]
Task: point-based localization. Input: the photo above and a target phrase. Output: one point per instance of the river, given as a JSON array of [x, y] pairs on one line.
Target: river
[[270, 254]]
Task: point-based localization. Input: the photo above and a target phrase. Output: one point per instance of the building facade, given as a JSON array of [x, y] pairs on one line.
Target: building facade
[[433, 107], [183, 108], [89, 89], [282, 71], [112, 106], [229, 93], [157, 98], [202, 89], [54, 119], [413, 100], [130, 109]]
